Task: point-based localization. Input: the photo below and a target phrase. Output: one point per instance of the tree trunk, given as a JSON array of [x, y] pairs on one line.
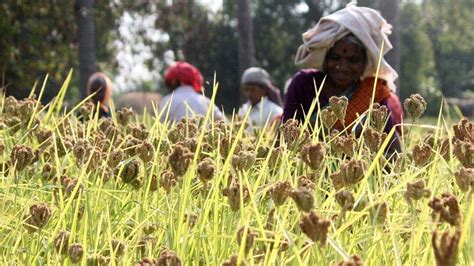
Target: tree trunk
[[86, 38], [246, 43], [390, 10]]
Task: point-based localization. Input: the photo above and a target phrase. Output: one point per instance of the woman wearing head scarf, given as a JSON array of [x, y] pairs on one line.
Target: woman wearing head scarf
[[264, 101], [340, 56], [101, 87], [186, 98]]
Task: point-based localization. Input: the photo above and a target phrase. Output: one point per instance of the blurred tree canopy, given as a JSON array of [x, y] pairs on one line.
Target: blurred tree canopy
[[41, 37]]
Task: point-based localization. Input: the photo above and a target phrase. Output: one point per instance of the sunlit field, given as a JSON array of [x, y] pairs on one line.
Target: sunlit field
[[130, 190]]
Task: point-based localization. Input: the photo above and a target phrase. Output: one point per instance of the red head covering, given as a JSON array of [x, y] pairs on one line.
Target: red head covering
[[185, 74]]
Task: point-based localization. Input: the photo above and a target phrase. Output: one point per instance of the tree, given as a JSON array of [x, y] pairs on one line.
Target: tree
[[39, 38], [86, 37], [417, 72], [245, 29], [390, 11], [449, 25]]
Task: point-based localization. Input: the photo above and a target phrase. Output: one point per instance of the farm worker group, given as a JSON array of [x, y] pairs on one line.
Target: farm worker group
[[339, 57]]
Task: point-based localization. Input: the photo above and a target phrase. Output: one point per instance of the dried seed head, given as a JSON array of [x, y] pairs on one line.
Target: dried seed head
[[355, 260], [82, 150], [374, 139], [49, 172], [179, 159], [446, 251], [315, 227], [115, 157], [343, 144], [113, 133], [150, 229], [168, 181], [76, 252], [191, 144], [124, 115], [118, 247], [345, 199], [168, 258], [154, 183], [275, 154], [379, 116], [42, 135], [279, 192], [262, 152], [328, 117], [61, 242], [206, 169], [313, 155], [140, 132], [10, 106], [232, 192], [303, 198], [233, 261], [379, 212], [249, 238], [430, 140], [146, 151], [69, 185], [131, 146], [86, 110], [38, 217], [338, 180], [421, 154], [415, 106], [464, 130], [97, 260], [292, 134], [103, 145], [444, 149], [130, 171], [464, 151], [63, 146], [339, 106], [446, 209], [137, 183], [306, 182], [243, 160], [21, 156], [146, 262], [105, 123], [465, 179], [191, 219], [416, 190], [353, 171]]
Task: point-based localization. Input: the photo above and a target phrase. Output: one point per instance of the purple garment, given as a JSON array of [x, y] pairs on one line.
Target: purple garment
[[301, 93]]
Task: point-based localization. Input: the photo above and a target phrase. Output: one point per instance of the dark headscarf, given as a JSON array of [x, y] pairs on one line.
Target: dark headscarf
[[259, 76]]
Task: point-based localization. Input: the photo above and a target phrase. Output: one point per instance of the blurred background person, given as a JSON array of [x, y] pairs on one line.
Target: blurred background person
[[264, 100], [186, 99], [342, 53], [100, 86]]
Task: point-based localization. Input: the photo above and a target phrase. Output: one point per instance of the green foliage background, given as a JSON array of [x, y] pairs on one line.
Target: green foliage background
[[40, 37]]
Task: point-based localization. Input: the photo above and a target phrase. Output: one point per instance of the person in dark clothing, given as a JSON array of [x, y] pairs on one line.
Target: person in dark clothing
[[101, 87], [340, 58]]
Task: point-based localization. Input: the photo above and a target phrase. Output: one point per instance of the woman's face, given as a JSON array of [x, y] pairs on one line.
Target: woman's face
[[254, 93], [345, 63]]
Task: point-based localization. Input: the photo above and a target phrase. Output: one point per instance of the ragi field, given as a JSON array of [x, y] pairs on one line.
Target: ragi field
[[130, 190]]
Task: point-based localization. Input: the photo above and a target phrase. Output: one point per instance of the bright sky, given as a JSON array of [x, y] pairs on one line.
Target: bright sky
[[213, 4]]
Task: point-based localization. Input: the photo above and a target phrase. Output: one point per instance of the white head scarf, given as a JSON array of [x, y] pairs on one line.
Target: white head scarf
[[366, 24]]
